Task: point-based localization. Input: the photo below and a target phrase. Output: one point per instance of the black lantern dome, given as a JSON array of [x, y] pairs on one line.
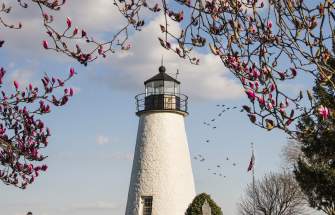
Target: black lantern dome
[[162, 93]]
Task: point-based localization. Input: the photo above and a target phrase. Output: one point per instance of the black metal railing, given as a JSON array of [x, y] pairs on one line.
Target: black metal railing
[[164, 101]]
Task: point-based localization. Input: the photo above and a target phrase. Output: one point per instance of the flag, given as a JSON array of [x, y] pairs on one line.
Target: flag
[[252, 162]]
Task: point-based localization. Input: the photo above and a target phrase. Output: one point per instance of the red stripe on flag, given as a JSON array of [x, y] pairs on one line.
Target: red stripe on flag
[[251, 163]]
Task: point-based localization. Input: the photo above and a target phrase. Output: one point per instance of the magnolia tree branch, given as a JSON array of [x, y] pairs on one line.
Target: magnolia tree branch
[[22, 133], [263, 44]]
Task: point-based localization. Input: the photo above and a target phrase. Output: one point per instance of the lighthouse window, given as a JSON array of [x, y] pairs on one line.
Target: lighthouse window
[[147, 205]]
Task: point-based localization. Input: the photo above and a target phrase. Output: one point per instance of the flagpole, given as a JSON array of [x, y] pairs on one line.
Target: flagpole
[[253, 179]]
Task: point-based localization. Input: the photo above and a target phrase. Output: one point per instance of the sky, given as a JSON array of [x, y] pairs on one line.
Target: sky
[[93, 137]]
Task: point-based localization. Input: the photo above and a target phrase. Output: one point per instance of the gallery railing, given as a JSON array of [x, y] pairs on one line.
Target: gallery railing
[[164, 101]]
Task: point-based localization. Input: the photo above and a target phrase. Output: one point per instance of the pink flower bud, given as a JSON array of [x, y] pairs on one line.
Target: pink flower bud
[[45, 44], [75, 31], [294, 72], [68, 22], [46, 16], [44, 167], [269, 24], [71, 92], [262, 4], [261, 101], [324, 112], [72, 72], [83, 33], [272, 87], [16, 84], [251, 95]]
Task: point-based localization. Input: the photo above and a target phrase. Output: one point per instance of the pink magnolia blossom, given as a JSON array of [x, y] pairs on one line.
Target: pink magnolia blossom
[[68, 22], [71, 92], [83, 33], [262, 4], [324, 112], [45, 44], [272, 87], [251, 95], [75, 31], [72, 72], [294, 72], [261, 100], [16, 85]]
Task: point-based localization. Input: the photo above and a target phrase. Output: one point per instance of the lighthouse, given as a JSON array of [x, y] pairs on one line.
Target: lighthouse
[[161, 179]]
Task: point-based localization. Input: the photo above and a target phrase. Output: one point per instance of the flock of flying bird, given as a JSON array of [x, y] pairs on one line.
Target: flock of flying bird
[[218, 169]]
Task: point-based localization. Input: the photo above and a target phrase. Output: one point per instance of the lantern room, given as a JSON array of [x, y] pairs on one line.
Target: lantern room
[[162, 92]]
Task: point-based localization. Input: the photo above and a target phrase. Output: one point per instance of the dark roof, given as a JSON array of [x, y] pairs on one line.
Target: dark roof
[[161, 76]]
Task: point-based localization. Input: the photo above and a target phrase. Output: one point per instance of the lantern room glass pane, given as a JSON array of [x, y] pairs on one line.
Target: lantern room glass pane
[[169, 87], [162, 87], [177, 88], [149, 89], [158, 87]]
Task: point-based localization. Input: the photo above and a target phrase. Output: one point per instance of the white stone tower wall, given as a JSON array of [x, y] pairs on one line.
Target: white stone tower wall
[[162, 165]]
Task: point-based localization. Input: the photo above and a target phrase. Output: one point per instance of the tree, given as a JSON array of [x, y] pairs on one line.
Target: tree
[[195, 208], [263, 43], [315, 167], [23, 134], [290, 154], [275, 194]]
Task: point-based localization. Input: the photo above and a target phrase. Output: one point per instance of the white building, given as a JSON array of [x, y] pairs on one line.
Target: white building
[[161, 180]]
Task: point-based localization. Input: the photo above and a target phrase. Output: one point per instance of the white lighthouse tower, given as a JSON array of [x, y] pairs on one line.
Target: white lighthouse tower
[[161, 180]]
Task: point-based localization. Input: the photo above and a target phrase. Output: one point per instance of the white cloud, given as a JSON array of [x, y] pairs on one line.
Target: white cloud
[[96, 17], [102, 140], [209, 80]]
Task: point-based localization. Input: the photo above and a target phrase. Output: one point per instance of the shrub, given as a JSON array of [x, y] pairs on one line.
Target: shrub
[[195, 208]]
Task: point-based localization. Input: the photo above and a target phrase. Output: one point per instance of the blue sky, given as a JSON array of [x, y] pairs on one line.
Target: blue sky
[[93, 137]]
